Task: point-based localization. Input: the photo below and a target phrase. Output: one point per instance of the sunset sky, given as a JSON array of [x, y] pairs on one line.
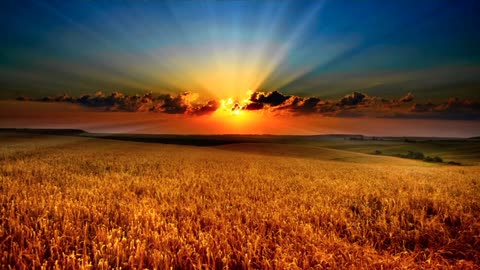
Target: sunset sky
[[278, 67]]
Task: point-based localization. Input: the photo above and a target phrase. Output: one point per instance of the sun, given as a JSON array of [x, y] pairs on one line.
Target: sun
[[232, 112], [237, 112], [235, 106], [229, 108]]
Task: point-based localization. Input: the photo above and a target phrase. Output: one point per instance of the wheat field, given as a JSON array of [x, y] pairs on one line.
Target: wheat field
[[86, 203]]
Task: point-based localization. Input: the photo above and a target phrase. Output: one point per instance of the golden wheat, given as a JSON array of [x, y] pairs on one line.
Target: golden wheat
[[78, 203]]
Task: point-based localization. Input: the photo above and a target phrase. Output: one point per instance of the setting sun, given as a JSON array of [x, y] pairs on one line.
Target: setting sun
[[231, 111], [232, 107]]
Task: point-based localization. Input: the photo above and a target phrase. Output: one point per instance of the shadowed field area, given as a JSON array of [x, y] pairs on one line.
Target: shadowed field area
[[83, 201]]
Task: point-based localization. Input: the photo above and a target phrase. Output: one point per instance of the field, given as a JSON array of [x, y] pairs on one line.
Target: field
[[81, 202]]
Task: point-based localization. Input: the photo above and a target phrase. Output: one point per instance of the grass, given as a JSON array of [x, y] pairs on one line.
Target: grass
[[76, 203], [463, 151]]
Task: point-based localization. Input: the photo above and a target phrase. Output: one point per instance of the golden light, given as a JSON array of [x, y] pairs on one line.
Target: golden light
[[231, 115], [232, 107]]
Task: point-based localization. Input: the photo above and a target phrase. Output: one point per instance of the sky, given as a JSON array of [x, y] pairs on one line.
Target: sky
[[310, 61]]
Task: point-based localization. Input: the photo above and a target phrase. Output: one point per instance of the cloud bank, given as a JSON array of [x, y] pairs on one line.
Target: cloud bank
[[356, 104]]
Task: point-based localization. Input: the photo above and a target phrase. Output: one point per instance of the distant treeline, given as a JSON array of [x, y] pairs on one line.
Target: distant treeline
[[419, 156], [364, 138]]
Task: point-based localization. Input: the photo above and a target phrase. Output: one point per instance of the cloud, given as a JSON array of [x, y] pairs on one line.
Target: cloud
[[356, 104], [117, 101], [275, 102], [428, 107], [208, 108], [453, 108], [272, 98], [254, 106], [456, 104], [359, 104], [407, 98], [184, 103], [308, 104], [172, 104], [353, 99]]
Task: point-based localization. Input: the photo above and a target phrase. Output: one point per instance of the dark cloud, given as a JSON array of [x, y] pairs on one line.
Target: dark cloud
[[118, 101], [407, 98], [173, 105], [356, 104], [452, 105], [454, 108], [300, 105], [308, 105], [428, 107], [254, 106], [275, 101], [359, 104], [352, 99], [183, 103], [456, 104], [61, 98], [272, 98], [208, 108]]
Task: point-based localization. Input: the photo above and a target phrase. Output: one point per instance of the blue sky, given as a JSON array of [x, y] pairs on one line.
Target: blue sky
[[224, 48]]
